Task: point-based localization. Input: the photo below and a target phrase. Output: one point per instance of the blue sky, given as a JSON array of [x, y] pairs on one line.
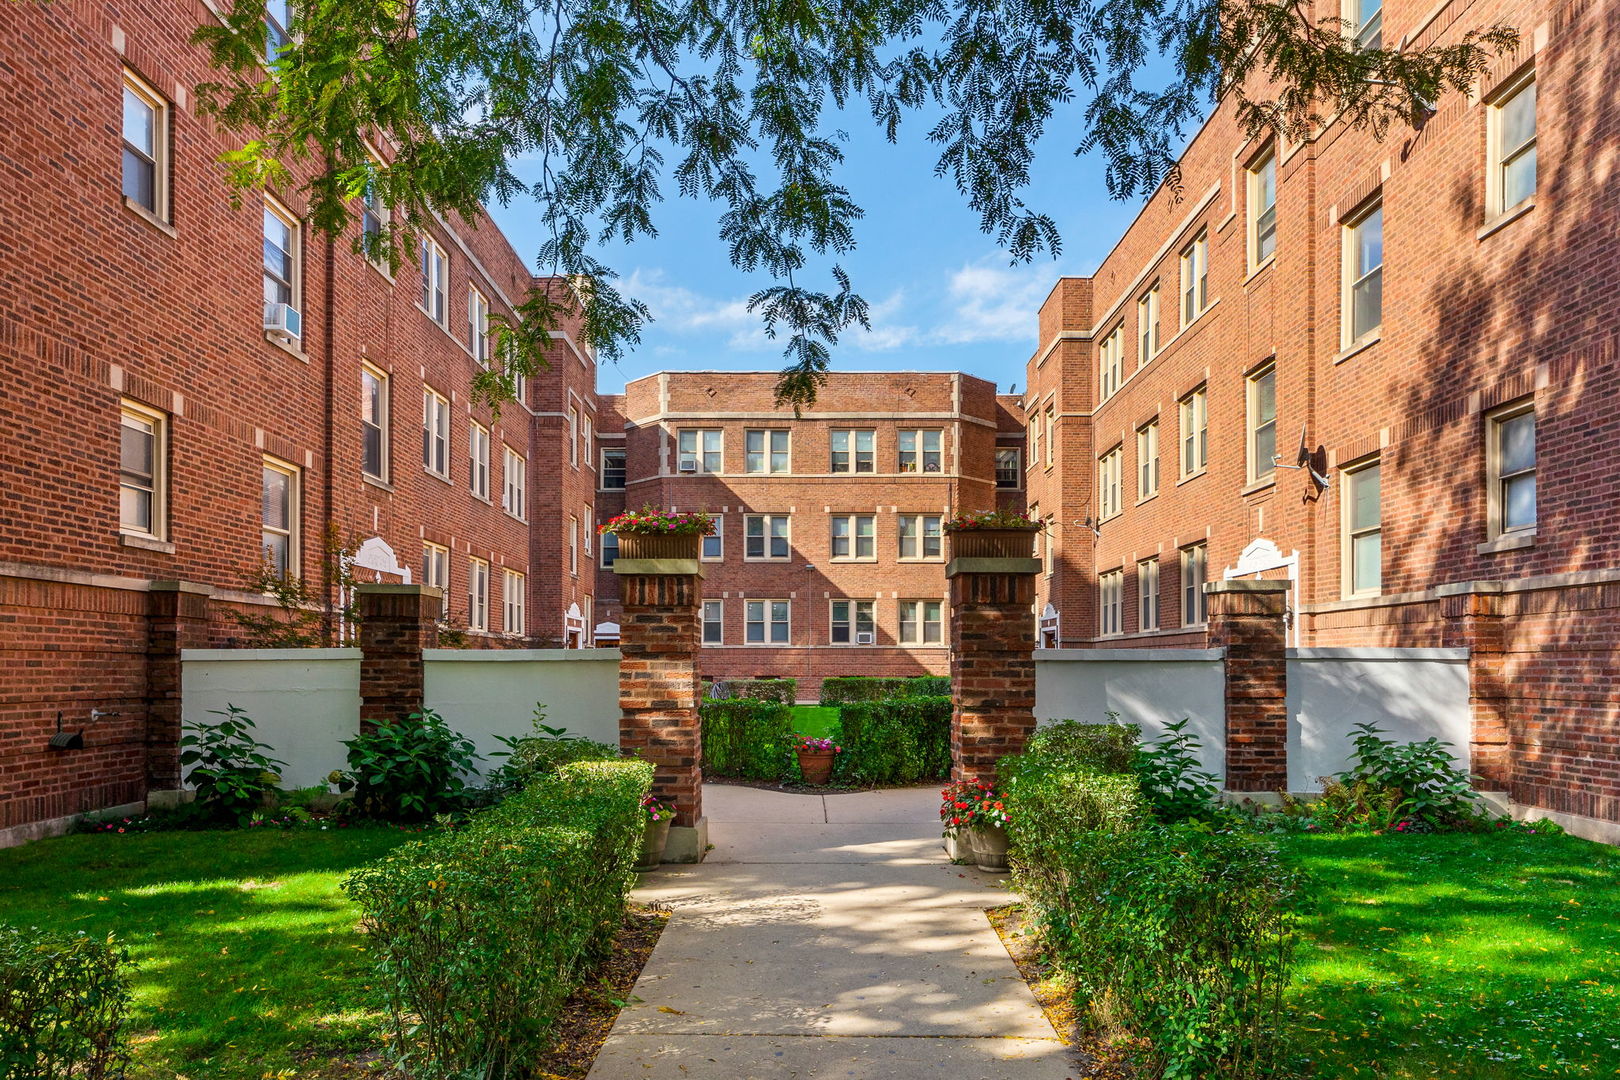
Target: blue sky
[[943, 297]]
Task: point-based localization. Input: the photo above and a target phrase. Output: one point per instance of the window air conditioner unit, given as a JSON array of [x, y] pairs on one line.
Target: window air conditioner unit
[[688, 465], [283, 321], [865, 637]]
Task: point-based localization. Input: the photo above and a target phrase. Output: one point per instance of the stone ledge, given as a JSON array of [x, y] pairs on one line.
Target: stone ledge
[[992, 566], [687, 843], [658, 567]]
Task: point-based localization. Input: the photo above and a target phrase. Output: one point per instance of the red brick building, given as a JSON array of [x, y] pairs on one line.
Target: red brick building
[[1384, 370]]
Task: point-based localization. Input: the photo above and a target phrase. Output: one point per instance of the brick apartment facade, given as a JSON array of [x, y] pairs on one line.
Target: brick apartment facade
[[1429, 317]]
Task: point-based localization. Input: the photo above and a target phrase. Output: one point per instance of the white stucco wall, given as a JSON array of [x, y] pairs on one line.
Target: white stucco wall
[[304, 702], [1411, 693], [1149, 687], [487, 692]]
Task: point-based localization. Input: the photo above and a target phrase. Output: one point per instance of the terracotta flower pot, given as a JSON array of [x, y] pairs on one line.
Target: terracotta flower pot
[[653, 838], [993, 544], [659, 545], [990, 848], [816, 765]]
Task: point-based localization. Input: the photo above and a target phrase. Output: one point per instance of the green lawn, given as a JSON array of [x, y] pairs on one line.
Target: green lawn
[[248, 963], [1480, 956], [815, 721]]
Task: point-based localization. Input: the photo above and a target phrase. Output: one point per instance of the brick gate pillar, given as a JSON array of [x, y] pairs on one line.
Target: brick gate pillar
[[659, 633], [992, 660], [396, 623], [176, 619], [1473, 620], [1248, 620]]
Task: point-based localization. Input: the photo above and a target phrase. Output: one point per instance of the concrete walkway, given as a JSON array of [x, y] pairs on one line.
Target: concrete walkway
[[827, 936]]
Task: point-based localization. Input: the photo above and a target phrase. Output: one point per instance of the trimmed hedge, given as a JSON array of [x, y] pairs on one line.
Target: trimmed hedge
[[895, 741], [844, 689], [1105, 748], [783, 691], [479, 935], [64, 999], [747, 739]]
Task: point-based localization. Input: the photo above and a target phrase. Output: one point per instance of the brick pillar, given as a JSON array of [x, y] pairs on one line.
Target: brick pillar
[[992, 661], [176, 619], [396, 623], [1473, 620], [1247, 619], [658, 688]]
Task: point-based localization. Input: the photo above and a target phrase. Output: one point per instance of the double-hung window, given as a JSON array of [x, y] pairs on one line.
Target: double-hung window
[[1512, 142], [1511, 464], [714, 622], [1147, 460], [478, 326], [146, 147], [477, 594], [373, 422], [478, 459], [573, 436], [766, 450], [919, 536], [1194, 279], [515, 479], [1365, 19], [920, 450], [713, 548], [1009, 468], [1263, 208], [1364, 274], [1111, 364], [853, 450], [281, 260], [1147, 325], [609, 548], [278, 17], [1051, 434], [142, 459], [1109, 476], [436, 573], [434, 272], [280, 503], [698, 450], [1034, 441], [612, 468], [1194, 432], [1111, 603], [512, 588], [922, 622], [435, 433], [1194, 561], [1262, 407], [1363, 531], [854, 537], [765, 536], [1147, 594], [853, 622], [374, 217], [573, 545], [766, 622]]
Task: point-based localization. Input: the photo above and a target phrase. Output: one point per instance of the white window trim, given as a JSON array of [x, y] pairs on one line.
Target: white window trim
[[1259, 472], [698, 440], [766, 534], [1255, 211], [1494, 419], [1147, 458], [295, 235], [1147, 324], [385, 418], [1201, 601], [160, 469], [514, 496], [920, 622], [704, 622], [921, 451], [437, 556], [1110, 484], [922, 538], [573, 545], [436, 285], [1110, 365], [436, 410], [854, 538], [1356, 33], [1111, 603], [295, 502], [478, 601], [1017, 470], [1348, 534], [854, 622], [161, 119], [478, 326], [1494, 194], [603, 550], [1146, 590], [1190, 410], [478, 460], [719, 537], [768, 453], [1194, 271], [601, 475], [1349, 244], [766, 621], [513, 585]]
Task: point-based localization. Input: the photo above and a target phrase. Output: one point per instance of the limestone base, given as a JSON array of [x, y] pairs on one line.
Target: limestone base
[[688, 843]]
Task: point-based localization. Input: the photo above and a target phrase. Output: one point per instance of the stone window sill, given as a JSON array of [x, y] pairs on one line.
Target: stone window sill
[[287, 347], [1506, 218], [146, 543], [1508, 542], [376, 482], [150, 218], [1192, 476], [1365, 343], [1265, 484]]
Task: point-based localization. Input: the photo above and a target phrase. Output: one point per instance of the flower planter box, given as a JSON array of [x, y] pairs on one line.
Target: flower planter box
[[654, 836], [990, 848], [993, 544], [657, 546], [816, 767], [958, 848]]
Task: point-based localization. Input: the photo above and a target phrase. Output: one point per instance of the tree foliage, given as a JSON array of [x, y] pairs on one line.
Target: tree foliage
[[736, 102]]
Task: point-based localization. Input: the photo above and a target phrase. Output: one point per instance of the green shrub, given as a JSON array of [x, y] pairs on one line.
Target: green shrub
[[1173, 777], [783, 691], [410, 769], [1425, 776], [747, 739], [844, 689], [895, 741], [1053, 809], [530, 757], [479, 935], [1105, 748], [64, 999], [229, 767]]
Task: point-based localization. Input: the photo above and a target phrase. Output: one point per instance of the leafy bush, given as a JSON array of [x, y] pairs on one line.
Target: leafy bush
[[747, 739], [1424, 774], [64, 999], [1106, 748], [230, 769], [1056, 806], [530, 757], [480, 934], [844, 689], [784, 691], [409, 770], [895, 741], [1173, 779]]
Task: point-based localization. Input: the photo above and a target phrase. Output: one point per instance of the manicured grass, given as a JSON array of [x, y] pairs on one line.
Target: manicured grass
[[815, 721], [1480, 956], [248, 963]]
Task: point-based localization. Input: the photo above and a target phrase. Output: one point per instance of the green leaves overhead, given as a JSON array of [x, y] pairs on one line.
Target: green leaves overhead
[[428, 106]]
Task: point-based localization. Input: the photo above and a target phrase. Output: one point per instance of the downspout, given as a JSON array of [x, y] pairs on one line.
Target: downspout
[[328, 433]]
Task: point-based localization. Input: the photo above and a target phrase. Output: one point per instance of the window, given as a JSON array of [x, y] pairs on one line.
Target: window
[[436, 434], [573, 545], [1512, 125], [478, 326], [1109, 476], [1366, 19], [1111, 364], [142, 483], [436, 572], [714, 622], [699, 450], [1147, 325], [766, 622], [374, 217], [1147, 460], [1195, 432], [146, 147], [919, 536], [765, 536], [280, 502], [609, 548], [767, 450], [854, 536], [1262, 405], [1511, 460], [853, 622], [1194, 279], [573, 436], [852, 451], [590, 516], [1192, 584], [613, 469], [1363, 531], [921, 622], [373, 422], [587, 435], [1051, 434], [714, 545], [1048, 553], [1364, 275], [281, 257], [478, 459], [1111, 602], [434, 271], [1263, 208], [920, 450], [1034, 440], [1009, 468], [1147, 594], [512, 585], [277, 27], [477, 594], [514, 476]]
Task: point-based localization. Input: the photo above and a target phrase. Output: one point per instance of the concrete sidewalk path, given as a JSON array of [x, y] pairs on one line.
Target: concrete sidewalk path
[[828, 937]]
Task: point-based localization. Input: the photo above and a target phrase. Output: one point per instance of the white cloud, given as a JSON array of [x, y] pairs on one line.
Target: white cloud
[[680, 310], [991, 301]]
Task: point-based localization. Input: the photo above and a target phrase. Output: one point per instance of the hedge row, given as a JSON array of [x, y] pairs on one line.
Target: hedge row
[[480, 934], [747, 739], [896, 741], [64, 999], [784, 691], [838, 691]]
